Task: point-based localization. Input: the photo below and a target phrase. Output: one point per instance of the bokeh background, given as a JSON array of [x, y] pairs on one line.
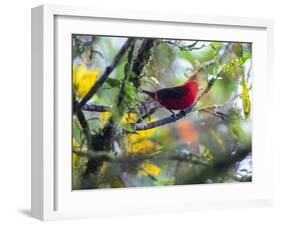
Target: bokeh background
[[212, 144]]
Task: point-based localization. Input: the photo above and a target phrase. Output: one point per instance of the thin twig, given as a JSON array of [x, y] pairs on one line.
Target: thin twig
[[209, 86], [182, 47], [216, 113], [181, 114], [201, 68], [148, 112]]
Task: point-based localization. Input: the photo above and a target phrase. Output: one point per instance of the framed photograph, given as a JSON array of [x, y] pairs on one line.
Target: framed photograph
[[138, 112]]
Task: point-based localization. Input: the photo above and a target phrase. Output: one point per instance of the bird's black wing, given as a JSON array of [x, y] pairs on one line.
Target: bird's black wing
[[171, 93]]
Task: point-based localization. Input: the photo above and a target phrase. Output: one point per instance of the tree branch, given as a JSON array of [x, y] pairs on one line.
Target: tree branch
[[218, 166], [108, 133], [193, 158], [148, 111], [104, 76], [143, 55], [151, 107], [181, 114], [83, 122], [96, 108], [164, 121]]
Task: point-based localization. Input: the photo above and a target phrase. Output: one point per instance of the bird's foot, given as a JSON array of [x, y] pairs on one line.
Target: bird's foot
[[173, 114]]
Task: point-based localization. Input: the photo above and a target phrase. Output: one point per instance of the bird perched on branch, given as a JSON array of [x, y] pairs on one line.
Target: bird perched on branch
[[176, 98]]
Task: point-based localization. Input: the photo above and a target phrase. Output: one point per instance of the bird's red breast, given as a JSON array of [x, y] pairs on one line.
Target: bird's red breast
[[176, 98]]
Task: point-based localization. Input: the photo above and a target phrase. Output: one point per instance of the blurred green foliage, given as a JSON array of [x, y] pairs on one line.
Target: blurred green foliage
[[207, 146]]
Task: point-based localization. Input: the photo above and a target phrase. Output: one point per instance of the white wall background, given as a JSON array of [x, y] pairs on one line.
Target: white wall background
[[15, 112]]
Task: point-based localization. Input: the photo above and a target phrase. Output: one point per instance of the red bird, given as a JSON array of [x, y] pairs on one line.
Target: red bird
[[176, 98]]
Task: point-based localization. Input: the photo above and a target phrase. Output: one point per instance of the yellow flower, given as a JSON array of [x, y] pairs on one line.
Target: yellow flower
[[138, 143], [140, 135], [75, 144], [104, 116], [144, 147], [83, 79], [127, 118], [103, 169], [149, 168], [76, 147]]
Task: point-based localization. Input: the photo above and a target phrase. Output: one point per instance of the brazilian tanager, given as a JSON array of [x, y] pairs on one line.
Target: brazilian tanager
[[176, 98]]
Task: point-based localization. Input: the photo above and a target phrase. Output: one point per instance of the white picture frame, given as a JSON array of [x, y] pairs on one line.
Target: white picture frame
[[52, 197]]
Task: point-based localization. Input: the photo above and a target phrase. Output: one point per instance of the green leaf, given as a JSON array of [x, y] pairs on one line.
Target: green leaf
[[247, 51], [242, 60], [228, 67], [246, 100], [206, 153], [218, 139], [215, 46], [236, 130], [165, 181], [113, 82], [132, 74], [127, 127], [130, 93]]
